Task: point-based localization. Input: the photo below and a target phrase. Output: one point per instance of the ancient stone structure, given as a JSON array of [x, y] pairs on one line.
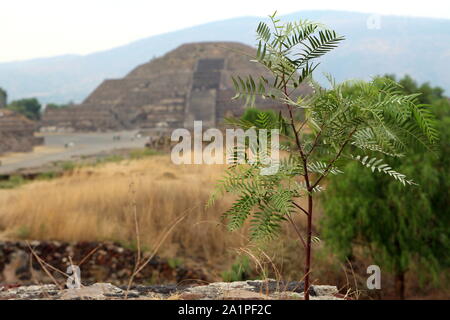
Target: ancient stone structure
[[17, 132], [192, 82]]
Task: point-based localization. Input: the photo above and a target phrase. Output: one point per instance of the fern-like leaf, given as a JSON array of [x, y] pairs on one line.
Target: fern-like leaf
[[377, 165]]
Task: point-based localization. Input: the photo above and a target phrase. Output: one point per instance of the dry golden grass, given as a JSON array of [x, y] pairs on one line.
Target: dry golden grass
[[98, 204]]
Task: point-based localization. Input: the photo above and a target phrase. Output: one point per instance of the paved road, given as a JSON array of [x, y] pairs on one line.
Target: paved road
[[81, 144]]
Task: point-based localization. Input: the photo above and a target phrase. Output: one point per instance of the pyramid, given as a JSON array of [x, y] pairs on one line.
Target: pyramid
[[192, 82]]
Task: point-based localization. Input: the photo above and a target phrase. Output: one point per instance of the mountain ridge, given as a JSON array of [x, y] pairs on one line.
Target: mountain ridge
[[414, 45]]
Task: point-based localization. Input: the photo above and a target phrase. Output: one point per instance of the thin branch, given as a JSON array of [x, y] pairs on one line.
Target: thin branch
[[89, 254], [142, 266], [302, 125], [33, 277], [298, 206], [316, 140], [138, 239], [299, 234], [330, 165], [296, 134], [136, 225], [42, 264]]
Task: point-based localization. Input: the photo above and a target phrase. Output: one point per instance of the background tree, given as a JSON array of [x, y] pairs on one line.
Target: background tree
[[30, 108], [338, 124], [396, 228], [55, 106], [428, 94], [3, 98]]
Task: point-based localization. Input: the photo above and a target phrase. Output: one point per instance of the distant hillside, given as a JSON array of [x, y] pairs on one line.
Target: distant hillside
[[417, 46]]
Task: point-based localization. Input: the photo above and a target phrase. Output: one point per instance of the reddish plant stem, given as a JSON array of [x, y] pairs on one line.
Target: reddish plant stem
[[310, 199], [308, 246], [299, 234], [309, 186]]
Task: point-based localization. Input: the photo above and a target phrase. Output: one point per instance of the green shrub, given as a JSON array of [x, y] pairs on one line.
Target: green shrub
[[142, 153], [68, 166], [13, 182], [240, 270]]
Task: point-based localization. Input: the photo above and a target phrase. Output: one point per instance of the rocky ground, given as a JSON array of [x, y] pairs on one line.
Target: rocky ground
[[105, 270], [98, 262], [240, 290]]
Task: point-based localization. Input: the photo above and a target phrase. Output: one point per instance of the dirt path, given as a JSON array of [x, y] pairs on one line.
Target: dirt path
[[63, 147]]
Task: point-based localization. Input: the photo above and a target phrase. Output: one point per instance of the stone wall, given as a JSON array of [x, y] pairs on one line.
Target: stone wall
[[238, 290]]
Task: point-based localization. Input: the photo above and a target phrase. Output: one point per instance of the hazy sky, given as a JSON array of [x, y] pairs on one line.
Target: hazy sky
[[41, 28]]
